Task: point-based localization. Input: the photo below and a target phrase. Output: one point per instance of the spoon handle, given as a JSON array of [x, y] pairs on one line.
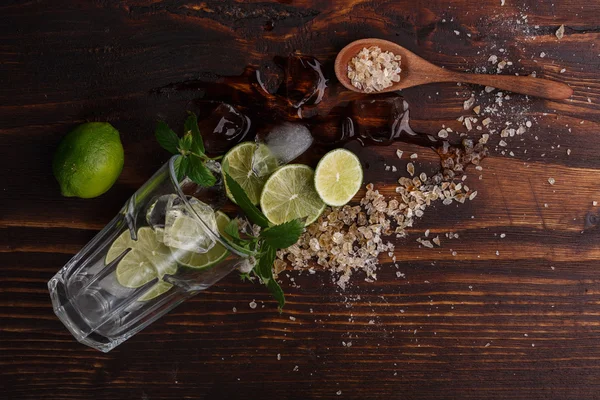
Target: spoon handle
[[528, 85]]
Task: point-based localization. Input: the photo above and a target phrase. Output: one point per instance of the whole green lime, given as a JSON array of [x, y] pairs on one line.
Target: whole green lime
[[88, 160]]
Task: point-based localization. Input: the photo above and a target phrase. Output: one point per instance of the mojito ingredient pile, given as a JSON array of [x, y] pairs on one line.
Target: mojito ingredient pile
[[253, 178], [261, 246], [349, 239]]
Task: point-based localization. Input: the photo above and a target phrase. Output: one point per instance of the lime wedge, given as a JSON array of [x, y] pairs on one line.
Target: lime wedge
[[204, 260], [338, 177], [240, 160], [289, 193], [147, 259]]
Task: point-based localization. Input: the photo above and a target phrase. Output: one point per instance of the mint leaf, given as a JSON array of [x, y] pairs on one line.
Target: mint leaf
[[191, 126], [264, 270], [184, 168], [264, 267], [167, 139], [277, 292], [185, 143], [232, 229], [242, 200], [283, 235], [181, 164], [199, 173]]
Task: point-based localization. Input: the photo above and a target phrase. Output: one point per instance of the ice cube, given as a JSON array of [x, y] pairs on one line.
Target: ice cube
[[284, 142], [222, 126], [304, 82], [381, 120], [183, 229], [157, 210]]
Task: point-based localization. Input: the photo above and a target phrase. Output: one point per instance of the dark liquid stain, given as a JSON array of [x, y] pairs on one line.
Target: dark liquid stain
[[303, 81], [269, 25], [237, 108]]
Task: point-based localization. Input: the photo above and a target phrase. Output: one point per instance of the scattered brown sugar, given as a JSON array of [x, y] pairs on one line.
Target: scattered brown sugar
[[351, 238]]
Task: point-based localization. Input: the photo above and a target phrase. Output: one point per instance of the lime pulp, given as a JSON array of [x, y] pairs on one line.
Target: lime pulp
[[338, 177], [289, 193]]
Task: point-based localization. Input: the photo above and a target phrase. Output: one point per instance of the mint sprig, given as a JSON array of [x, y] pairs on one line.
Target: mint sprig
[[271, 238], [190, 146]]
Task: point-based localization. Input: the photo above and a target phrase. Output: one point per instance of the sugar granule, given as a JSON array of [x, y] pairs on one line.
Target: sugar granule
[[373, 70], [560, 32]]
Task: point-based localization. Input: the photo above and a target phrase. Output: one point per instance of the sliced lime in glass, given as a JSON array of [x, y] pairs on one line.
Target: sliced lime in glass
[[147, 259], [290, 193], [338, 177]]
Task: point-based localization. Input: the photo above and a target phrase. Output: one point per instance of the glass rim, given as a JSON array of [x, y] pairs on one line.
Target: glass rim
[[214, 235]]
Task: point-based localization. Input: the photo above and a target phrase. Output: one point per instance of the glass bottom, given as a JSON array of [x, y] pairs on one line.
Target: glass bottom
[[89, 318], [97, 310]]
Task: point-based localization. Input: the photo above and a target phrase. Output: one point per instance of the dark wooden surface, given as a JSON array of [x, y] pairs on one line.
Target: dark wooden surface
[[523, 324]]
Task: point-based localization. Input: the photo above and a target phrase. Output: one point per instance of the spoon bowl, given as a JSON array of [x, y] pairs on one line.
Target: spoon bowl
[[417, 71]]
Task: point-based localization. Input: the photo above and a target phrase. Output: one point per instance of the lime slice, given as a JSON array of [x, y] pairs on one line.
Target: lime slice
[[147, 259], [122, 243], [289, 193], [240, 160], [203, 260], [156, 290], [338, 177]]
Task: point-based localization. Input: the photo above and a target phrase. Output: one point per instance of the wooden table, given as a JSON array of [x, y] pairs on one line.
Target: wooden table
[[513, 316]]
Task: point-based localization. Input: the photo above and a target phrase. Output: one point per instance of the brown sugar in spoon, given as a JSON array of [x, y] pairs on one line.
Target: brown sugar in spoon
[[416, 71]]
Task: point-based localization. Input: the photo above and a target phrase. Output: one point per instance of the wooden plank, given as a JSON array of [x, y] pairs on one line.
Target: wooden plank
[[521, 323]]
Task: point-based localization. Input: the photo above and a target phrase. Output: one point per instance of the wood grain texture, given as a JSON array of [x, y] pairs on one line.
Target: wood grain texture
[[505, 318]]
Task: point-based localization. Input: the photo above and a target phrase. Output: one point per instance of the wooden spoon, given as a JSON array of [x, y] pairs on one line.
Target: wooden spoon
[[416, 71]]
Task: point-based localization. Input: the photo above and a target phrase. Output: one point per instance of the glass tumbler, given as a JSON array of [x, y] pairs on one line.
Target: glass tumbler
[[166, 244]]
